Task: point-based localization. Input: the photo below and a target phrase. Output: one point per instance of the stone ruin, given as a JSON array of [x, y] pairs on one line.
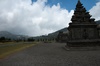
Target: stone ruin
[[83, 30]]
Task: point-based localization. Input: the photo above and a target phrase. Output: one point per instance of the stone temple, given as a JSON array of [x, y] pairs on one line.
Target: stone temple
[[83, 29]]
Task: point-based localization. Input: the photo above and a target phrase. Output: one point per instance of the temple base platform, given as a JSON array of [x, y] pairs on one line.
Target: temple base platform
[[83, 43]]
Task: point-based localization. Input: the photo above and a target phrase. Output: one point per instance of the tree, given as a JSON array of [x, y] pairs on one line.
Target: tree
[[30, 39], [2, 39]]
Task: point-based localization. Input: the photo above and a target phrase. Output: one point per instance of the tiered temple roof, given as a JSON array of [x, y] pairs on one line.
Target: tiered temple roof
[[81, 15]]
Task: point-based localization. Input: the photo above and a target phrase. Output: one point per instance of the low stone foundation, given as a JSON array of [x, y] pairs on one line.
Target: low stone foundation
[[83, 43]]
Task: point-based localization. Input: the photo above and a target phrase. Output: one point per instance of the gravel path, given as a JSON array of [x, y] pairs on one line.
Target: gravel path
[[52, 54]]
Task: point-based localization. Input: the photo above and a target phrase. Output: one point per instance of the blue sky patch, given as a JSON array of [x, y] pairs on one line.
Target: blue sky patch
[[70, 4]]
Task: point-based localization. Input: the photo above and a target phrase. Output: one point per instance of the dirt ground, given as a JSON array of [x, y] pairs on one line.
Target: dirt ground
[[52, 54]]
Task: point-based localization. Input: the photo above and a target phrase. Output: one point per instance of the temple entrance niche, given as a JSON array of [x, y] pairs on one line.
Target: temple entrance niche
[[85, 34]]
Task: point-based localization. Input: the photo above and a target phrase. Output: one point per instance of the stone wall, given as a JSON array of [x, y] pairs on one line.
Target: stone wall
[[83, 33]]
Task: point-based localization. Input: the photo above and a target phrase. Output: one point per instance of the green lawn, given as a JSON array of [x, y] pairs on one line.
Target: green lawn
[[10, 48]]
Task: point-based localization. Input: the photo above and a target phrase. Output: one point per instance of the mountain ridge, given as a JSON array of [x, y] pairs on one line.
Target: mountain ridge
[[10, 35]]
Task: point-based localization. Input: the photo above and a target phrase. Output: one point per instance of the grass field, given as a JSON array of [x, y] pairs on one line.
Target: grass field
[[9, 48]]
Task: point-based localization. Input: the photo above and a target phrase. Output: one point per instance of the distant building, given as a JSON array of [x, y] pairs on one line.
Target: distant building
[[62, 37]]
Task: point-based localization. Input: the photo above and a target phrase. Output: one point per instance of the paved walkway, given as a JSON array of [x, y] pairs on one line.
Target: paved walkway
[[52, 54]]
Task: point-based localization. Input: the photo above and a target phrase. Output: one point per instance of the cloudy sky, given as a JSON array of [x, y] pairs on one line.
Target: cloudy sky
[[40, 17]]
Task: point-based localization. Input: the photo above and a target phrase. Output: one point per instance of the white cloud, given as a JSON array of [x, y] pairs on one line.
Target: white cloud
[[94, 11], [20, 17]]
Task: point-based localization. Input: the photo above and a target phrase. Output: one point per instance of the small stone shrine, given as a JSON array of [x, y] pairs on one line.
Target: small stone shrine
[[83, 29]]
